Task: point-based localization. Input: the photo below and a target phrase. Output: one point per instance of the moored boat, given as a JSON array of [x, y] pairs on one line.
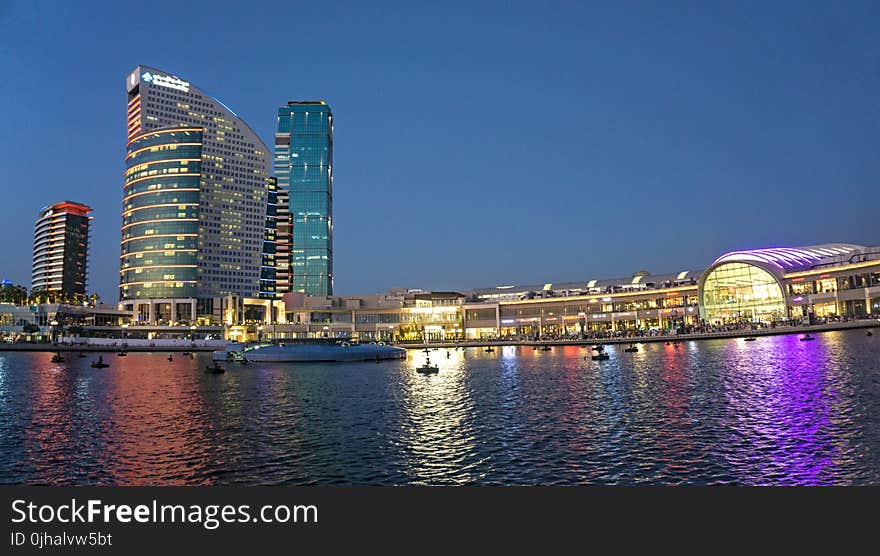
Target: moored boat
[[302, 352]]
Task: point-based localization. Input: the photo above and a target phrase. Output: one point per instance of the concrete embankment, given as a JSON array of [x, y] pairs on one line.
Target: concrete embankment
[[207, 346], [105, 348], [816, 328]]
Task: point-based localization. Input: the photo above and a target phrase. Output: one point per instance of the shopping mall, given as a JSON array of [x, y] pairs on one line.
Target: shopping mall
[[761, 286], [769, 286]]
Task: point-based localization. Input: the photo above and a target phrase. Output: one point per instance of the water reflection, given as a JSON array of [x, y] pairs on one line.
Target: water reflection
[[773, 411], [435, 424]]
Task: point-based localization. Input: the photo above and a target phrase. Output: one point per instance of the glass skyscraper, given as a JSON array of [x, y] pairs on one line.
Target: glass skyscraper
[[304, 168], [160, 214], [194, 202]]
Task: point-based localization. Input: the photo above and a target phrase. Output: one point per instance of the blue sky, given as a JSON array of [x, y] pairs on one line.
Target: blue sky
[[479, 143]]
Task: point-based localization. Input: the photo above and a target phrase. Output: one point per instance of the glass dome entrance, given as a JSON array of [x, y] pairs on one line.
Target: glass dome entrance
[[741, 292]]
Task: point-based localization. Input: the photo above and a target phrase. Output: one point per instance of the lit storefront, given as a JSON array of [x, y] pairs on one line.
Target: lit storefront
[[740, 292], [765, 287]]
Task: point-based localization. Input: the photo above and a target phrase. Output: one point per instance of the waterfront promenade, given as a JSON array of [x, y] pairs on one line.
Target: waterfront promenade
[[111, 345], [641, 339], [137, 345]]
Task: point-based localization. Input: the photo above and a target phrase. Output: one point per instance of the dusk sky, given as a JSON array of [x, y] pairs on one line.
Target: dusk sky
[[478, 143]]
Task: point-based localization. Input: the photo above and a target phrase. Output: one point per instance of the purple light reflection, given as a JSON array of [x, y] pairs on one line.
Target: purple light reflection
[[780, 412]]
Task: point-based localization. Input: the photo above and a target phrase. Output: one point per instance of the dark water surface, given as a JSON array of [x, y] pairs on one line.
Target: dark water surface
[[774, 411]]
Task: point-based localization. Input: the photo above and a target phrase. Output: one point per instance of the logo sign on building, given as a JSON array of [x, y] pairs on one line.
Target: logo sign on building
[[165, 81]]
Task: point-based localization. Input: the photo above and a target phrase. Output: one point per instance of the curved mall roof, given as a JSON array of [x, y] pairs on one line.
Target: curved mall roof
[[790, 258]]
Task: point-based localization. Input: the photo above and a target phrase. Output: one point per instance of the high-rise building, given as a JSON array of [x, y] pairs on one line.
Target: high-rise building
[[304, 168], [268, 275], [194, 201], [61, 244], [283, 237]]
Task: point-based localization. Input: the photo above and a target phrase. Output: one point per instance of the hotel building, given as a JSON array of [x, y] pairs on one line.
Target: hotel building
[[61, 245], [304, 168], [194, 203], [760, 286]]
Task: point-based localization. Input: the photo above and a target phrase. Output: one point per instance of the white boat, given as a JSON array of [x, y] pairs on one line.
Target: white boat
[[301, 352]]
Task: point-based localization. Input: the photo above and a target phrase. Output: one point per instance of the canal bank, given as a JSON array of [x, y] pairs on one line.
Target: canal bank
[[116, 346], [744, 333], [161, 345]]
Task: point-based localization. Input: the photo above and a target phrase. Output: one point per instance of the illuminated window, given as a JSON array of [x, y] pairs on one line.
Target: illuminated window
[[734, 292]]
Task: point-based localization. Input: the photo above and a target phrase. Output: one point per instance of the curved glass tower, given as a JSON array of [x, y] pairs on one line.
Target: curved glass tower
[[195, 203], [160, 214]]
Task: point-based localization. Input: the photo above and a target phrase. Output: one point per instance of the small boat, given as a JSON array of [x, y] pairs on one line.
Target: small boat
[[598, 347], [216, 369], [428, 368], [870, 333], [490, 349], [546, 348], [170, 358], [57, 358], [631, 349], [186, 354], [121, 354], [601, 356], [99, 364], [750, 339], [807, 338]]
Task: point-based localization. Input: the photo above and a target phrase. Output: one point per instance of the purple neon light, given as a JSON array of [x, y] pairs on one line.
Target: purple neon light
[[788, 257]]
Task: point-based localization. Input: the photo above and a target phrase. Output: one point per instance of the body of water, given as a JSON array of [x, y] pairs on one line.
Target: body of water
[[777, 411]]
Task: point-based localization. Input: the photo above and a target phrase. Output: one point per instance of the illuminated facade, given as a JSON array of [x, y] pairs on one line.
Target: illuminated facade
[[61, 242], [789, 286], [771, 285], [739, 291], [268, 275], [160, 215], [195, 202], [304, 168]]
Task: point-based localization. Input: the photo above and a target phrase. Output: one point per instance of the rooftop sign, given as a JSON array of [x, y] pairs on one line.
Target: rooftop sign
[[165, 81]]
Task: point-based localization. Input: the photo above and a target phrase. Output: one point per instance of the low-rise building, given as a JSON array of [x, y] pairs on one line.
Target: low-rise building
[[764, 287]]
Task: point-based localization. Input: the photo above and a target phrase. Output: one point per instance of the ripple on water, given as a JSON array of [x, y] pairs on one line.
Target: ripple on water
[[777, 411]]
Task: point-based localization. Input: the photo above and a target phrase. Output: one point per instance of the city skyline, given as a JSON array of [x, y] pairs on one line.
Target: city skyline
[[514, 202]]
